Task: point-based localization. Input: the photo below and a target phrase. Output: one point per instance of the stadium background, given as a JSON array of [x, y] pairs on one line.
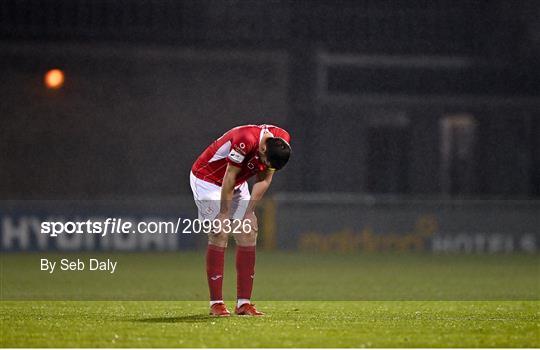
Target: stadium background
[[407, 217], [415, 126]]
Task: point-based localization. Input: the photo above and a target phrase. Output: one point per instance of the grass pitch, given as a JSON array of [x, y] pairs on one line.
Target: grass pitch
[[287, 324], [311, 300]]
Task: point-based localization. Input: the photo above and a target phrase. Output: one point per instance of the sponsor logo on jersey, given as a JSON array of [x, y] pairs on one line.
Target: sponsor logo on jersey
[[236, 156]]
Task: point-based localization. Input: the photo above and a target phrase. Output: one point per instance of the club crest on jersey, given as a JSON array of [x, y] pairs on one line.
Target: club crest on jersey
[[236, 156]]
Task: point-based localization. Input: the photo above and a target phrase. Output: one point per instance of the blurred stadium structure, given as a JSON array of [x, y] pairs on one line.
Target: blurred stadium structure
[[400, 112]]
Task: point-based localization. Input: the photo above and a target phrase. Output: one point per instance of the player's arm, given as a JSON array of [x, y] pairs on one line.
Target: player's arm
[[264, 179], [227, 189]]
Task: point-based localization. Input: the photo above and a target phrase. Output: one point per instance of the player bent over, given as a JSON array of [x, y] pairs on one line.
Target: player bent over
[[218, 181]]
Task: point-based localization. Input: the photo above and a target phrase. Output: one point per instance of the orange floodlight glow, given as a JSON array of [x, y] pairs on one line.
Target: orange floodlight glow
[[54, 79]]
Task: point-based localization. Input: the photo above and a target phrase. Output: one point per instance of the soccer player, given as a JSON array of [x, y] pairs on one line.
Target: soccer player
[[218, 181]]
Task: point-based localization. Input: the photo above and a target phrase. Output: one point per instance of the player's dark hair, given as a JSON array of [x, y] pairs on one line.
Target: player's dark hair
[[278, 152]]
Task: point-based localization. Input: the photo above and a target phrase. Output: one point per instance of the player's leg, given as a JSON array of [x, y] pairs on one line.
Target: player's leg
[[207, 197], [246, 242]]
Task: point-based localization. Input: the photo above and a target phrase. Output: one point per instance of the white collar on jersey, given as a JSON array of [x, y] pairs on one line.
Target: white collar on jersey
[[263, 131]]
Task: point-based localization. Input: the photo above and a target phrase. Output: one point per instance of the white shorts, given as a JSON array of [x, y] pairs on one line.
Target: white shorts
[[208, 198]]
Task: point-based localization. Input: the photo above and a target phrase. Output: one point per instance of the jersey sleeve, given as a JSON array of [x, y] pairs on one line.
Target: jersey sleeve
[[241, 145]]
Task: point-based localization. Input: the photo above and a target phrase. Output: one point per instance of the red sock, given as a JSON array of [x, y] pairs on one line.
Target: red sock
[[245, 271], [215, 258]]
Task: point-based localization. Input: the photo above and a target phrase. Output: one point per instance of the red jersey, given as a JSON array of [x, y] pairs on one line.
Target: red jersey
[[238, 147]]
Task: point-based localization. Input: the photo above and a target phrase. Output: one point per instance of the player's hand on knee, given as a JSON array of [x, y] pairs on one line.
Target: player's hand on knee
[[250, 223], [219, 235], [220, 224]]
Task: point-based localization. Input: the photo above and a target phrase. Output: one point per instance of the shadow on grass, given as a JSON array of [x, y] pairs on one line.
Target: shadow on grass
[[179, 319]]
